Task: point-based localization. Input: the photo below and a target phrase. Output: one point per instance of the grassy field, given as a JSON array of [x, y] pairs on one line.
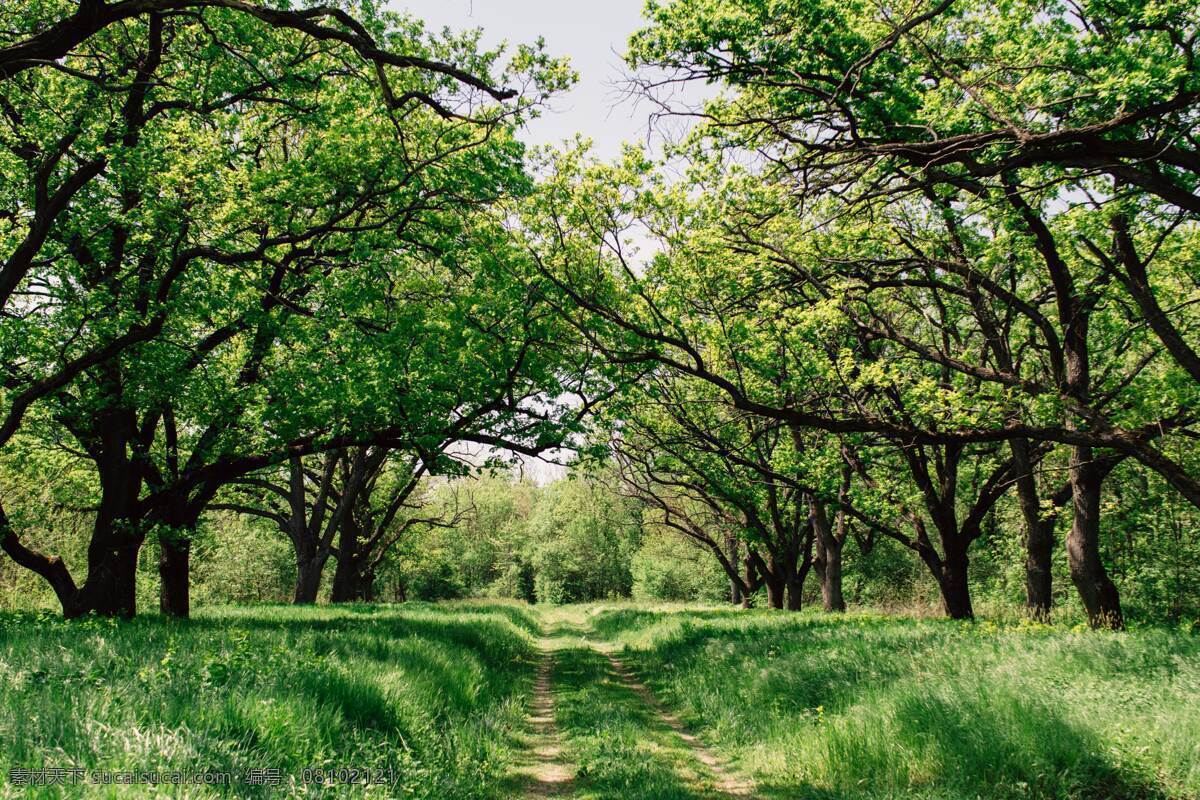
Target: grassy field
[[434, 699], [876, 707], [428, 697]]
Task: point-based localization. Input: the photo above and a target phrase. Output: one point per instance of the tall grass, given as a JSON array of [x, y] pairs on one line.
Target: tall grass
[[878, 707], [429, 695], [861, 706]]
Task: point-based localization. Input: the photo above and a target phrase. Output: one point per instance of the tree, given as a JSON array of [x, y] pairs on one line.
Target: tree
[[1079, 119], [162, 292], [352, 504], [581, 542], [824, 133], [706, 470]]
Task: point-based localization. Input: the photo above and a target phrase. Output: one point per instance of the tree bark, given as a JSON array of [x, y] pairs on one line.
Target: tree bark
[[1039, 536], [955, 588], [308, 579], [111, 586], [828, 559], [735, 586], [118, 532], [177, 519], [797, 570], [349, 586], [174, 562], [775, 590], [1097, 591], [351, 579], [752, 580], [117, 536], [795, 592], [829, 570], [344, 585]]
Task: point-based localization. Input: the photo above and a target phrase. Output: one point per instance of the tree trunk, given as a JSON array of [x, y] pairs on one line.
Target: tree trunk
[[1098, 593], [343, 588], [350, 585], [174, 597], [117, 533], [117, 536], [797, 573], [776, 584], [178, 520], [774, 592], [795, 592], [347, 577], [1096, 589], [956, 591], [1039, 536], [735, 586], [775, 572], [308, 579], [828, 565], [751, 582], [111, 586], [828, 560]]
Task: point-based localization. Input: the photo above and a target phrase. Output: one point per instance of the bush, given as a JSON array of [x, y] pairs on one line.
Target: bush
[[441, 582], [668, 567]]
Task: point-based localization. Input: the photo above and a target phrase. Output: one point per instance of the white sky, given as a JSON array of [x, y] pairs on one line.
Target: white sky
[[592, 34]]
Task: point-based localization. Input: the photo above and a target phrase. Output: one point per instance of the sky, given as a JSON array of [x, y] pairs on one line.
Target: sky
[[592, 34]]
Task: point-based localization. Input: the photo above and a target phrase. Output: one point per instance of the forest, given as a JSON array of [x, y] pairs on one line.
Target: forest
[[836, 438]]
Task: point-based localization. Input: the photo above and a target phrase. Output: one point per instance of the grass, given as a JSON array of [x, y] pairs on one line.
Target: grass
[[880, 707], [862, 707], [619, 747], [428, 695]]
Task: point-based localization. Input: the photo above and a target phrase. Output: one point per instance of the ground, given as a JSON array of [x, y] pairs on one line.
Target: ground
[[495, 700]]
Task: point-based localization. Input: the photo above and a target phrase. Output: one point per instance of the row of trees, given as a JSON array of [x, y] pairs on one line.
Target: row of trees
[[913, 269], [922, 258], [248, 259]]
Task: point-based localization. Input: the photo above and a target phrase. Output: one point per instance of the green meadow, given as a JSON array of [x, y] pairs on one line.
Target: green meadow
[[431, 701], [426, 697], [867, 706]]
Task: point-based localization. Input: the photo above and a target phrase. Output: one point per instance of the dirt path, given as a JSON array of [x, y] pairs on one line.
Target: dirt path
[[547, 770], [545, 773], [724, 781]]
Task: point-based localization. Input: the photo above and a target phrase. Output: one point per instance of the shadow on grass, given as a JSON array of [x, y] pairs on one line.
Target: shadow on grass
[[789, 670], [496, 642], [520, 615], [990, 744], [993, 734], [612, 622], [359, 702]]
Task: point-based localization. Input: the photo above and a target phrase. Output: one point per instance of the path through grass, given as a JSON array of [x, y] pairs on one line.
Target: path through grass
[[622, 744], [542, 770], [608, 702]]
